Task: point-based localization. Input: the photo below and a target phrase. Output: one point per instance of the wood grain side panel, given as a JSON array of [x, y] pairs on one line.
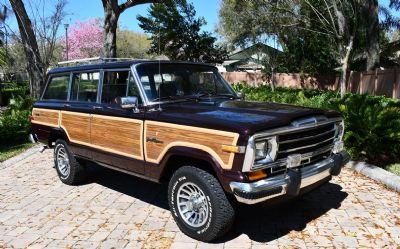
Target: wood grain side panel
[[179, 135], [119, 135], [77, 126], [45, 117]]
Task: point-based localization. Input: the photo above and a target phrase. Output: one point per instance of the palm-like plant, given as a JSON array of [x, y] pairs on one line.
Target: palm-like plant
[[372, 128]]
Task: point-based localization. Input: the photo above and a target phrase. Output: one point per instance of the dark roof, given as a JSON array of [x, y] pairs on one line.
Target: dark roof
[[111, 65], [240, 53]]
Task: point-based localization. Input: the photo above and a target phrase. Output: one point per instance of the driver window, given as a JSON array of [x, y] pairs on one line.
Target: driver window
[[117, 84], [114, 86]]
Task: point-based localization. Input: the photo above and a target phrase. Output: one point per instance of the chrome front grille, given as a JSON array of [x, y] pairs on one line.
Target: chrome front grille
[[306, 141], [313, 143]]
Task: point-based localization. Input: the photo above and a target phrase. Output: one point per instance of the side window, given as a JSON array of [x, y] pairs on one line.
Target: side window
[[84, 86], [114, 85], [57, 88]]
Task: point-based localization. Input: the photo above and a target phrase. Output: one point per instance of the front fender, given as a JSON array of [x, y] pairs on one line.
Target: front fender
[[224, 176]]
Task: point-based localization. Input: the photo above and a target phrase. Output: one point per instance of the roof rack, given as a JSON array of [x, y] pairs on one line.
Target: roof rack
[[94, 60]]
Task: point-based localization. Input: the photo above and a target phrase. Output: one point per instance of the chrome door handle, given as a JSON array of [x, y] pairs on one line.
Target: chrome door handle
[[67, 105], [97, 107]]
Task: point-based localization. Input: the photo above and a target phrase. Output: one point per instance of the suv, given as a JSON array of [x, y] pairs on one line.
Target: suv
[[182, 123]]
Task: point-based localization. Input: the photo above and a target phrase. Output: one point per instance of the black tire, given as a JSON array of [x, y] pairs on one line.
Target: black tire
[[76, 172], [221, 213]]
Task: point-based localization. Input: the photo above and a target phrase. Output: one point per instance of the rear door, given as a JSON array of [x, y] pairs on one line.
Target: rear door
[[117, 133], [75, 118]]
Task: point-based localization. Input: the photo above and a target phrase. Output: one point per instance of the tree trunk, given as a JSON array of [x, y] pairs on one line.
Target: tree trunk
[[112, 11], [111, 15], [345, 65], [272, 80], [372, 32], [34, 63]]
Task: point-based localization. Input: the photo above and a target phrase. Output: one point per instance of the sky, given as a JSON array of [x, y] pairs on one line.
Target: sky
[[81, 10]]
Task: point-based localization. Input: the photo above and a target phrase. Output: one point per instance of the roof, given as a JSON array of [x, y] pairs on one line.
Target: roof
[[119, 64], [239, 54], [229, 62]]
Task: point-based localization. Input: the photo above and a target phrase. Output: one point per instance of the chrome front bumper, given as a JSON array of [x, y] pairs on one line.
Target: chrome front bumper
[[289, 183]]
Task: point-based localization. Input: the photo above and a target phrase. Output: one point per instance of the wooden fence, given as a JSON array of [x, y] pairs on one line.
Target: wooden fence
[[377, 82]]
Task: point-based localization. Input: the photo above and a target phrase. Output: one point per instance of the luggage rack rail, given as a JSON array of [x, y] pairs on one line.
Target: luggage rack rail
[[93, 60]]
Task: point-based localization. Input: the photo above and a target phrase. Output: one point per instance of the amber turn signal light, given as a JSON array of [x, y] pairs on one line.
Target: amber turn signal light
[[231, 148], [256, 175]]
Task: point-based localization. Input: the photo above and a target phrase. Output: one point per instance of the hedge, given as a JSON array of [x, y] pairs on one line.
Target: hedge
[[372, 123]]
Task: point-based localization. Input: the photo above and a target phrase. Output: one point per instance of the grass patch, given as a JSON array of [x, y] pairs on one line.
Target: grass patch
[[8, 151], [394, 168]]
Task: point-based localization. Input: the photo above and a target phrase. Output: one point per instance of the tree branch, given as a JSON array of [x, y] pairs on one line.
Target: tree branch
[[130, 3]]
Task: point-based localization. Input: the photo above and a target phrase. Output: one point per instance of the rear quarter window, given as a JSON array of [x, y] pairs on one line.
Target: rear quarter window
[[57, 89]]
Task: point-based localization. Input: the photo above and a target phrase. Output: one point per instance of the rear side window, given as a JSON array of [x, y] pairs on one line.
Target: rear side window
[[57, 88], [84, 86]]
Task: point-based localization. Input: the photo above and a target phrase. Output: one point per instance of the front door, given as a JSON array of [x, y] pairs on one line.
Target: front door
[[116, 134]]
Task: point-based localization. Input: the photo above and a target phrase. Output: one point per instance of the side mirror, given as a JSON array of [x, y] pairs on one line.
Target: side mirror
[[241, 95], [129, 102]]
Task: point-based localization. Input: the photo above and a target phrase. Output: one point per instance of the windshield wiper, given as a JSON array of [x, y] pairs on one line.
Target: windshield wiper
[[228, 95], [170, 97]]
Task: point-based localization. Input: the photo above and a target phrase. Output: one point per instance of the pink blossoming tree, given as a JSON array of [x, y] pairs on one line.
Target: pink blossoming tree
[[85, 39]]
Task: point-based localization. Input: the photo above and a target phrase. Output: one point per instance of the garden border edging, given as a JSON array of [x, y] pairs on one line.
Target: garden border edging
[[387, 178], [13, 160]]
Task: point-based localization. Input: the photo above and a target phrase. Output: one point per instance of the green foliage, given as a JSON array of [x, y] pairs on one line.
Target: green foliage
[[131, 44], [372, 128], [394, 168], [10, 150], [372, 123], [175, 32], [306, 46], [14, 124], [10, 90], [313, 34]]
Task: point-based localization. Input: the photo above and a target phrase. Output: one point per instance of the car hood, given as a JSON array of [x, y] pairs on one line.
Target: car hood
[[244, 117]]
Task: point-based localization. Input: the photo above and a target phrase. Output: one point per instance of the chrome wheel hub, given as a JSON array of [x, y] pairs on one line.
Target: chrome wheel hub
[[192, 204], [63, 162]]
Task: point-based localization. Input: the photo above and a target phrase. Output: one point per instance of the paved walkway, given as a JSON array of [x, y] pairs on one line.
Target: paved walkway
[[113, 210]]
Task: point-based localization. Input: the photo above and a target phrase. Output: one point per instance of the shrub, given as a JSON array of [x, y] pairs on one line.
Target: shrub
[[12, 90], [372, 128], [14, 124], [372, 122]]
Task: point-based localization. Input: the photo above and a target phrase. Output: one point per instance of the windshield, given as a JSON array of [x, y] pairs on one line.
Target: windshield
[[169, 81]]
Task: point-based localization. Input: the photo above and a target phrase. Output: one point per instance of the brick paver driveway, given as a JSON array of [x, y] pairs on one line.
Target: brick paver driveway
[[113, 210]]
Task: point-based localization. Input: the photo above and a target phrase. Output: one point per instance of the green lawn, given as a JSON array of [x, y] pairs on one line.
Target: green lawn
[[8, 151], [394, 168]]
